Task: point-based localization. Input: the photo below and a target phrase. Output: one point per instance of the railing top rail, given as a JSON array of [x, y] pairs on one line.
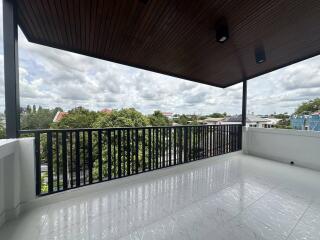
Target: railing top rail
[[115, 128]]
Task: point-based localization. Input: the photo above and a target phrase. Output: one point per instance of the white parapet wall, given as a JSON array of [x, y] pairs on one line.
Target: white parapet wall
[[17, 176], [284, 145]]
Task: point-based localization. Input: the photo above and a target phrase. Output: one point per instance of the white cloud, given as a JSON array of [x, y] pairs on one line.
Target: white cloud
[[51, 77]]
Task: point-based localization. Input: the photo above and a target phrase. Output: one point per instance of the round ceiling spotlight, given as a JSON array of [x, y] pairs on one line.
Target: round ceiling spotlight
[[260, 54], [222, 30]]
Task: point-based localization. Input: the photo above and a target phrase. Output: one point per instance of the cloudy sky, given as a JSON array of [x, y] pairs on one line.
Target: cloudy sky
[[51, 77]]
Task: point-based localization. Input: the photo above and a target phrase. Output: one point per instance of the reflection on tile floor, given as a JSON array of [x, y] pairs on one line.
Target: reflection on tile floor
[[228, 197]]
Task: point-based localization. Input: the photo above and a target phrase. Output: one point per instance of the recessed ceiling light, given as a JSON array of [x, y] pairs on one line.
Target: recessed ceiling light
[[222, 30], [260, 54]]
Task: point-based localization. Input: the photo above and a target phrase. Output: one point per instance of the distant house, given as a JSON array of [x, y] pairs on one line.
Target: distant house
[[59, 116], [252, 121], [106, 110], [306, 121]]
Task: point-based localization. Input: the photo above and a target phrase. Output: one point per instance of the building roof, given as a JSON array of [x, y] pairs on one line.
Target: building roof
[[178, 38], [59, 115], [250, 118], [167, 114], [106, 110]]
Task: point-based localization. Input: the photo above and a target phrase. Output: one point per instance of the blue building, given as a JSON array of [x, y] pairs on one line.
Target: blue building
[[306, 122]]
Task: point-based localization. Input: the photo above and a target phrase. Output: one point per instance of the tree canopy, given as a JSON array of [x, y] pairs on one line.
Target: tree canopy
[[127, 117], [78, 117], [158, 119], [218, 115], [184, 119], [309, 106], [41, 118]]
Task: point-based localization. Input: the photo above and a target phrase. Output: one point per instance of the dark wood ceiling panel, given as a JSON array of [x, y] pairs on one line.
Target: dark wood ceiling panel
[[177, 37]]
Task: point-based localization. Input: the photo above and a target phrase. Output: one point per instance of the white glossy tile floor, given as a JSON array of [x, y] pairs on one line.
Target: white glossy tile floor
[[233, 196]]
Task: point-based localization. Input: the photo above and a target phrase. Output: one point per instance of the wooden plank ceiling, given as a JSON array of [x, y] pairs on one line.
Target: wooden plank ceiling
[[177, 37]]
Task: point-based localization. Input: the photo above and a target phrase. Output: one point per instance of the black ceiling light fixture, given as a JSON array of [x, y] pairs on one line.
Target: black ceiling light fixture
[[260, 54], [222, 30]]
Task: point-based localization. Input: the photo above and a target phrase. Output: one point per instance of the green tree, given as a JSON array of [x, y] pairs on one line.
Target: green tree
[[158, 119], [127, 117], [29, 110], [37, 119], [2, 131], [184, 120], [217, 115], [309, 106], [78, 117]]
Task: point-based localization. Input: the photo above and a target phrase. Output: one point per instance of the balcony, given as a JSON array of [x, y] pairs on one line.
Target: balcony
[[237, 195], [187, 182]]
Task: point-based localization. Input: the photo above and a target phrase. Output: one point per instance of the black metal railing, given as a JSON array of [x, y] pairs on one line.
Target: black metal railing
[[71, 158]]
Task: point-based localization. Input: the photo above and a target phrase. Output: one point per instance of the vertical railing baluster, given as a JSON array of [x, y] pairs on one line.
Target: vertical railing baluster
[[49, 162], [157, 147], [180, 145], [185, 145], [84, 157], [224, 139], [128, 152], [78, 159], [203, 133], [58, 160], [207, 140], [136, 143], [215, 140], [90, 165], [175, 146], [220, 140], [234, 137], [153, 148], [163, 147], [119, 154], [109, 153], [170, 146], [210, 139], [167, 147], [124, 149], [100, 155], [204, 141], [38, 163], [64, 161], [193, 143], [189, 144], [143, 150], [228, 134], [198, 143], [71, 160], [149, 149], [114, 162]]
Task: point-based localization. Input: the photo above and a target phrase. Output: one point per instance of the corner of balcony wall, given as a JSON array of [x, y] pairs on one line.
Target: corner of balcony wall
[[284, 145], [17, 176]]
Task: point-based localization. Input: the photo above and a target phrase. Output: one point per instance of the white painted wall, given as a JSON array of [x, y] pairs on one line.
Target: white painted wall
[[284, 145], [17, 176]]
